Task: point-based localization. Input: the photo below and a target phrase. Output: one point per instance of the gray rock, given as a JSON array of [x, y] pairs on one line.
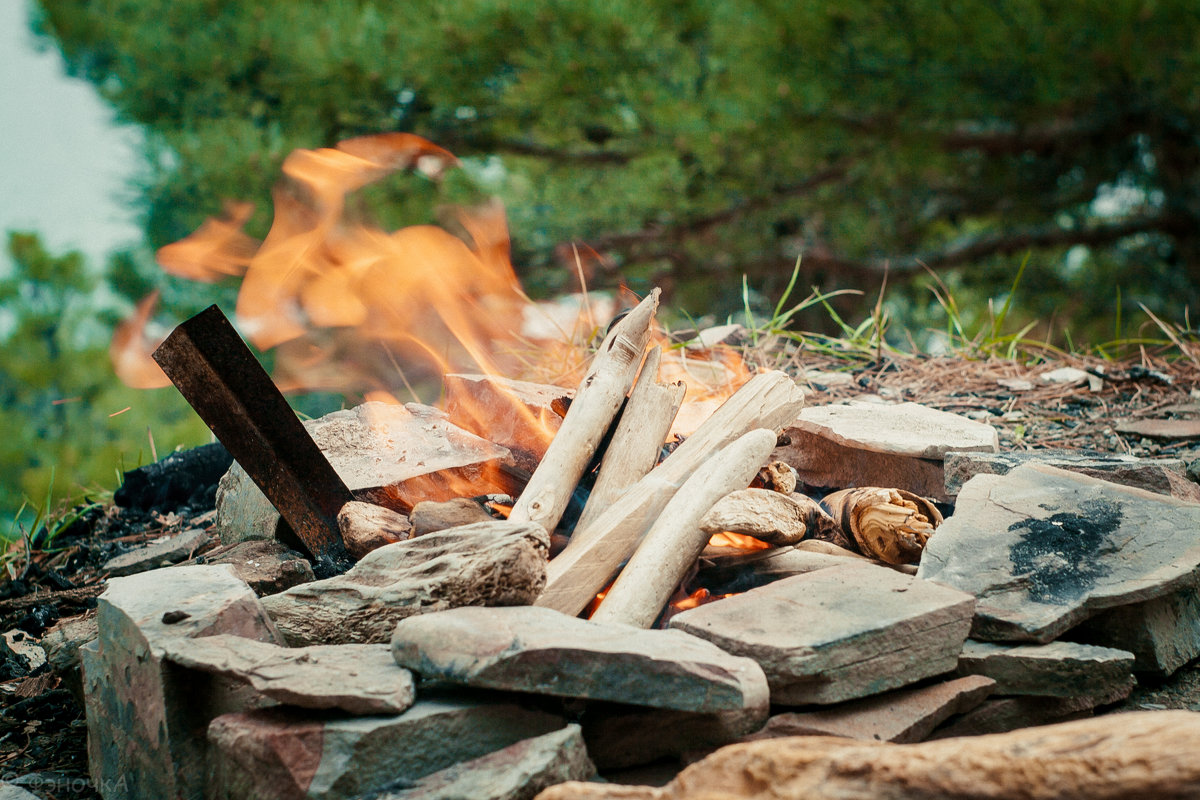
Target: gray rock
[[1161, 475], [9, 791], [384, 454], [21, 650], [268, 566], [877, 444], [517, 772], [542, 651], [146, 718], [839, 633], [356, 678], [1163, 634], [903, 716], [492, 563], [1043, 549], [620, 736], [288, 753], [1057, 669], [1002, 714], [171, 550]]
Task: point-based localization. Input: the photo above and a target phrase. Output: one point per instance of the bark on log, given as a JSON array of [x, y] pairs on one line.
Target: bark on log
[[891, 525], [772, 517], [637, 441], [1141, 754], [769, 400], [366, 526], [671, 547], [596, 404], [821, 526]]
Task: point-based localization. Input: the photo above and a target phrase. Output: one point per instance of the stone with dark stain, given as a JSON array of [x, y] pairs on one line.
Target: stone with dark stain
[[1043, 549]]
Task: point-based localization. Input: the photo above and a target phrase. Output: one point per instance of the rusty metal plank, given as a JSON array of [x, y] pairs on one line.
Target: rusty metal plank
[[217, 374]]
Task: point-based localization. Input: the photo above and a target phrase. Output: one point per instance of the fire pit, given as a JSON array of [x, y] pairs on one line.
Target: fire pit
[[541, 583]]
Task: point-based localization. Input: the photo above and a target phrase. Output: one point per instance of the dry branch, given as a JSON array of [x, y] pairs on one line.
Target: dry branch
[[769, 400], [673, 544], [637, 441], [596, 403], [891, 525]]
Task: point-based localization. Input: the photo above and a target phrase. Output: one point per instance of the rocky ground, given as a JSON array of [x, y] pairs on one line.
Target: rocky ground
[[1145, 408]]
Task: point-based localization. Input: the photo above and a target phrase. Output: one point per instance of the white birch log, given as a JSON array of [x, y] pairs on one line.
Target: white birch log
[[596, 404], [768, 400], [638, 439], [673, 544]]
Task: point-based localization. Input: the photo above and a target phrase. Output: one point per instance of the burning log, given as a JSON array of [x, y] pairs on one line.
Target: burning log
[[769, 400], [220, 378], [637, 441], [673, 544], [596, 404], [891, 525], [366, 527], [772, 517]]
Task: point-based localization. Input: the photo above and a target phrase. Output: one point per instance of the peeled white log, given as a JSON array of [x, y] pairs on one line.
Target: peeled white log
[[596, 404], [769, 400], [637, 441], [674, 543]]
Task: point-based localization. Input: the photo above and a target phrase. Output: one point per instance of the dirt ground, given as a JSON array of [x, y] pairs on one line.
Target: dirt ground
[[42, 729]]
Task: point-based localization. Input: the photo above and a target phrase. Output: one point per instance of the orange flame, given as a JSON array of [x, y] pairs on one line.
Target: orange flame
[[129, 350]]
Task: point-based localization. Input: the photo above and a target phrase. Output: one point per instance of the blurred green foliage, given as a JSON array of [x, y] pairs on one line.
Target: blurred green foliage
[[61, 409], [689, 141], [685, 142]]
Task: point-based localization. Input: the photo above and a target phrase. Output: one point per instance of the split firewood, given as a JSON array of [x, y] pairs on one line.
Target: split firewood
[[769, 516], [779, 476], [596, 404], [891, 525], [829, 549], [366, 527], [637, 442], [768, 400], [672, 546], [429, 515]]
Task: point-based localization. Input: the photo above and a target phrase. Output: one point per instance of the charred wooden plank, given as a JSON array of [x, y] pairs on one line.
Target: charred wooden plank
[[217, 374]]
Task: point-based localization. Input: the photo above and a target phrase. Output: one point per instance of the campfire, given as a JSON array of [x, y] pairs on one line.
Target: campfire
[[606, 546]]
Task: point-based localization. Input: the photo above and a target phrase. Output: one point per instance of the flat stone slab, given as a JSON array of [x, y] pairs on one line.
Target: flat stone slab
[[1057, 669], [903, 429], [1043, 549], [542, 651], [1003, 714], [839, 633], [153, 555], [356, 678], [266, 565], [880, 444], [490, 563], [1163, 634], [385, 454], [1161, 428], [291, 753], [145, 722], [516, 772], [902, 716], [1162, 475]]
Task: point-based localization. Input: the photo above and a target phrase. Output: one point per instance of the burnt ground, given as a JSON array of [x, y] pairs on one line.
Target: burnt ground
[[42, 728]]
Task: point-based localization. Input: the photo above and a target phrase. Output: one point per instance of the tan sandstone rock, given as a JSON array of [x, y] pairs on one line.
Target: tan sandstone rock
[[1146, 754]]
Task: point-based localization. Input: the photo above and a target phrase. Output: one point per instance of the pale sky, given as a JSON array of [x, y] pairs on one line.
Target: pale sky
[[64, 164]]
